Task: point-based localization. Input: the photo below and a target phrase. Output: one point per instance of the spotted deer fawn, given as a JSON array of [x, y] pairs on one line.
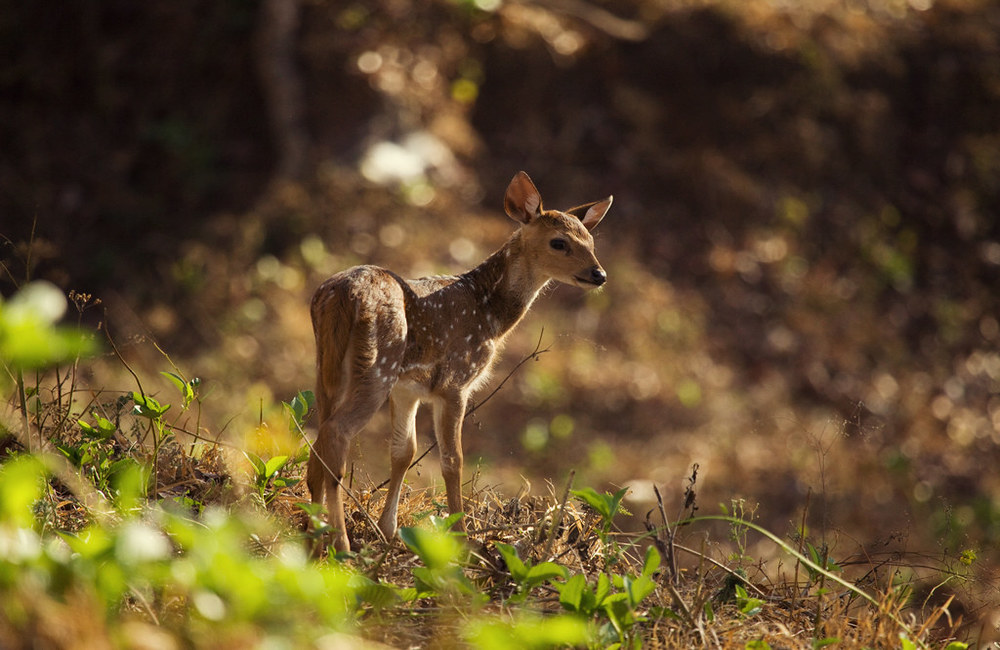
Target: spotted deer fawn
[[431, 340]]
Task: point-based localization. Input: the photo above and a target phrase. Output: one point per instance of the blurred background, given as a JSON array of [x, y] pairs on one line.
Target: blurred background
[[803, 254]]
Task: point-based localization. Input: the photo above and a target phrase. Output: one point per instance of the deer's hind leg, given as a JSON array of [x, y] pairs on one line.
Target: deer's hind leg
[[331, 452], [403, 405], [351, 387]]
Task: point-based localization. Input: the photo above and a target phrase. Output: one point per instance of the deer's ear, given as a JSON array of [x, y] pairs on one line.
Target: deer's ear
[[522, 201], [591, 213]]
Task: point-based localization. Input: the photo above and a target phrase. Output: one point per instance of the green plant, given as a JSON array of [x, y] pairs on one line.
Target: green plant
[[527, 576], [607, 505], [527, 631], [614, 598], [442, 553], [98, 455], [741, 512], [273, 476], [29, 336]]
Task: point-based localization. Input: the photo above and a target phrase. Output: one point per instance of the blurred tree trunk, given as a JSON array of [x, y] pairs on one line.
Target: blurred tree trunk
[[281, 83]]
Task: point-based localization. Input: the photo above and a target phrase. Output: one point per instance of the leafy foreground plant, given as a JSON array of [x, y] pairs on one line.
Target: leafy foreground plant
[[194, 579], [242, 579]]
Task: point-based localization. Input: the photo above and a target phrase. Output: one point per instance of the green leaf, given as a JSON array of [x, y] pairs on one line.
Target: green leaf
[[284, 482], [444, 524], [71, 452], [436, 549], [607, 505], [374, 593], [527, 632], [638, 589], [21, 481], [260, 469], [597, 501], [514, 564], [652, 561], [602, 590], [28, 335], [103, 430], [571, 592], [147, 407], [185, 387], [757, 644], [273, 465], [748, 606], [822, 643], [543, 571]]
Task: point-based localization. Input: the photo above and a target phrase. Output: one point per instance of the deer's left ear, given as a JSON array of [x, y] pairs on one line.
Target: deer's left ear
[[592, 213]]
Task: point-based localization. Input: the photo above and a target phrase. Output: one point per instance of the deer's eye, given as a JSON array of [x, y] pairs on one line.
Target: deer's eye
[[559, 245]]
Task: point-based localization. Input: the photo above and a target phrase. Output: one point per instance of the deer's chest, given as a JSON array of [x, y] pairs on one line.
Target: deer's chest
[[452, 359]]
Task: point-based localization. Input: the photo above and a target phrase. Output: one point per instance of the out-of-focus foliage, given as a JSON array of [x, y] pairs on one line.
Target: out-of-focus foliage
[[29, 337]]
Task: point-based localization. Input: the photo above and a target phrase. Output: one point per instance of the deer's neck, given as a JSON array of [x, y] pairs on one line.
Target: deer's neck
[[505, 285]]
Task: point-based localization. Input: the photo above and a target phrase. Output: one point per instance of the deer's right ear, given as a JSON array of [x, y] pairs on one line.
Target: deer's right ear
[[522, 201]]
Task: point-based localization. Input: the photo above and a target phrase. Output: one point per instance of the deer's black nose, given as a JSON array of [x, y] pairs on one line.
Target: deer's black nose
[[598, 276]]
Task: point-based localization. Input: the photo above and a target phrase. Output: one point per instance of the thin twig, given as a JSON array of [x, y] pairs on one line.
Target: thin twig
[[669, 544], [107, 333], [537, 352], [558, 515]]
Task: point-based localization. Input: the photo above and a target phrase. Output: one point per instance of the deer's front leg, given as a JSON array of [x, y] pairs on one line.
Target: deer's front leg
[[449, 412]]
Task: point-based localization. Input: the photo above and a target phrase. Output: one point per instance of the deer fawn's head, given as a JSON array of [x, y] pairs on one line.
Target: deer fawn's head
[[556, 245]]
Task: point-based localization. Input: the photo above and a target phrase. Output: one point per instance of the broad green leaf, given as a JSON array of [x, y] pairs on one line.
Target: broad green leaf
[[543, 571], [436, 549], [607, 505], [514, 564], [597, 501], [102, 428], [71, 452], [527, 632], [638, 589], [273, 465], [129, 480], [371, 592], [571, 592]]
